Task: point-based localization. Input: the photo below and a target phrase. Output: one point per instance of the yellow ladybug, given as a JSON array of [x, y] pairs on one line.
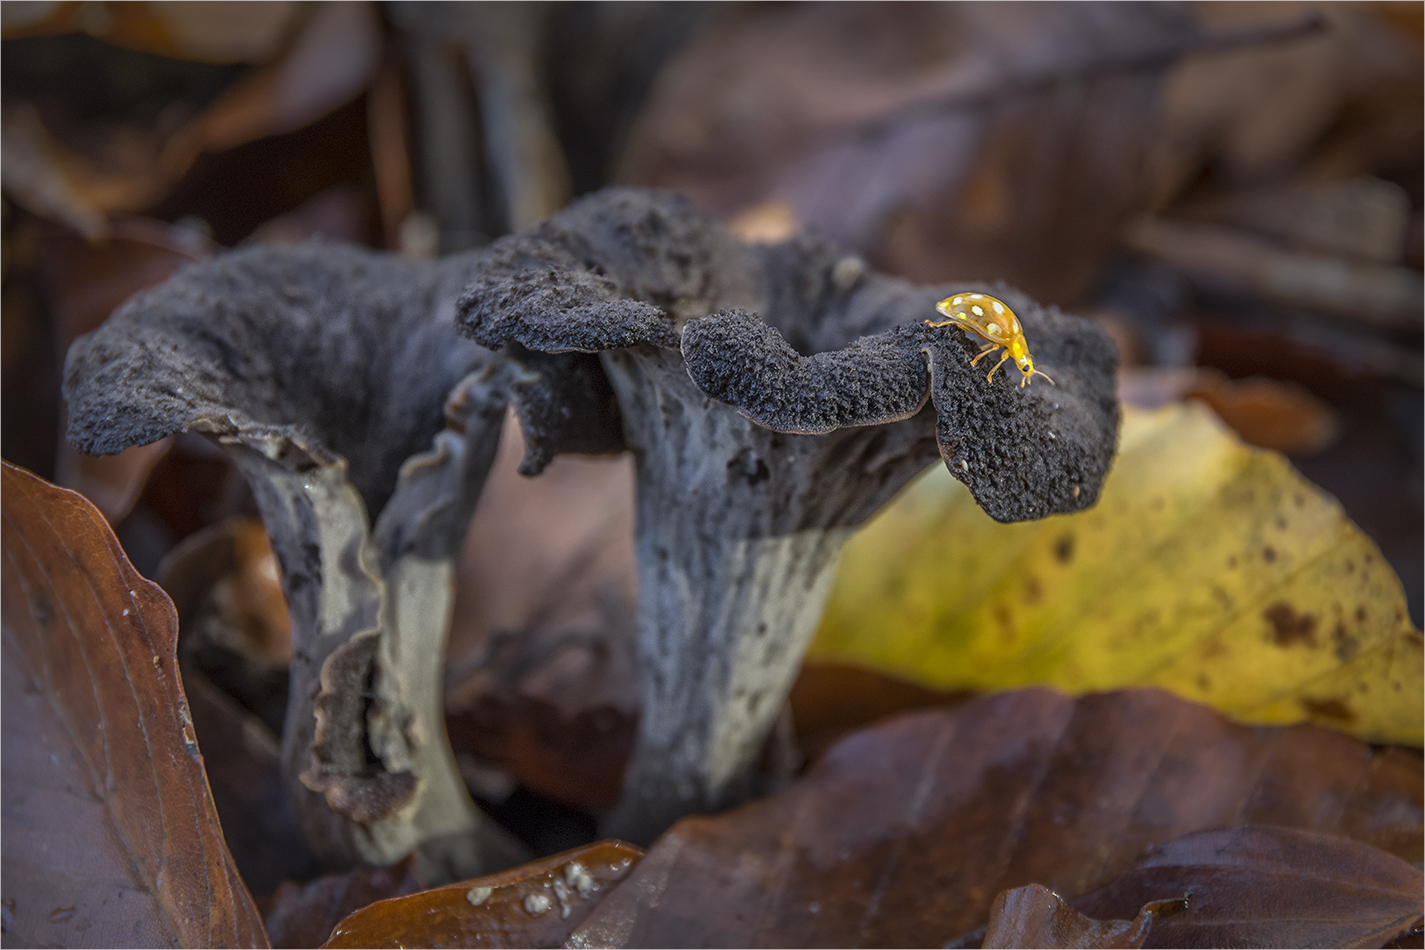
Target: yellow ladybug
[[990, 318]]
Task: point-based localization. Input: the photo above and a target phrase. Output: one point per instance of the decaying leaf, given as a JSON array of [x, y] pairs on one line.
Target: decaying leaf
[[829, 700], [541, 678], [209, 32], [111, 837], [941, 141], [303, 915], [902, 834], [1034, 916], [1268, 413], [535, 905], [243, 765], [1207, 568], [1270, 887], [94, 170]]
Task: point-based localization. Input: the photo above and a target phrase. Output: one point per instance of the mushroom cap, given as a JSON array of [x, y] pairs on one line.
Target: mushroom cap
[[333, 350], [840, 346]]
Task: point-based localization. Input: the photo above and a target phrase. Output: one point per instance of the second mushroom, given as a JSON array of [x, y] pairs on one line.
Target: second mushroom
[[775, 397]]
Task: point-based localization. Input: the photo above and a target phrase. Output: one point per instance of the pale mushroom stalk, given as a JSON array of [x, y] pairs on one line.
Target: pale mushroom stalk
[[739, 529], [756, 458], [334, 379]]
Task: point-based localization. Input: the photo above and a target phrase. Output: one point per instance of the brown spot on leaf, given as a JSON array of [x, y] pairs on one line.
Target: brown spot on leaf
[[1033, 590], [1269, 554], [1344, 646], [1064, 549], [1328, 709], [1289, 627], [1361, 614], [1006, 622]]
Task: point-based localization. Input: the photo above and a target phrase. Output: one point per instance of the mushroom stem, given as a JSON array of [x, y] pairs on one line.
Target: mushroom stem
[[739, 529], [364, 749]]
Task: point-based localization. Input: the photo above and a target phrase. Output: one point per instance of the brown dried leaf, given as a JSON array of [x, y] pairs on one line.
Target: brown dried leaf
[[903, 834], [1256, 111], [129, 166], [1268, 413], [541, 678], [1034, 916], [111, 836], [535, 905], [303, 915], [941, 141], [209, 32], [828, 700], [573, 757], [1270, 887], [245, 776]]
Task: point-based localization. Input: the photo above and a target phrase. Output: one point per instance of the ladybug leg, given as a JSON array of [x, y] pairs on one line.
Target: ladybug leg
[[997, 366], [986, 350]]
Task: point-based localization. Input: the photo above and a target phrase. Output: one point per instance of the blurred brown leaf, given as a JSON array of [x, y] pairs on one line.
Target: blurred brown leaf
[[130, 165], [227, 575], [235, 645], [215, 32], [331, 61], [111, 836], [245, 775], [1362, 218], [540, 678], [541, 552], [902, 834], [830, 699], [1270, 887], [1250, 113], [303, 915], [1034, 916], [1363, 294], [941, 141], [574, 757], [1269, 413], [535, 905]]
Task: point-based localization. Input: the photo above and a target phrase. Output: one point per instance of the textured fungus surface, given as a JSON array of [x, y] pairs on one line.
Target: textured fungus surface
[[365, 426], [775, 398], [828, 344], [340, 351]]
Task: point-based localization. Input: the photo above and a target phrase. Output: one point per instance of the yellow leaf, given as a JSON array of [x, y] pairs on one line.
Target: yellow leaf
[[1207, 568]]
